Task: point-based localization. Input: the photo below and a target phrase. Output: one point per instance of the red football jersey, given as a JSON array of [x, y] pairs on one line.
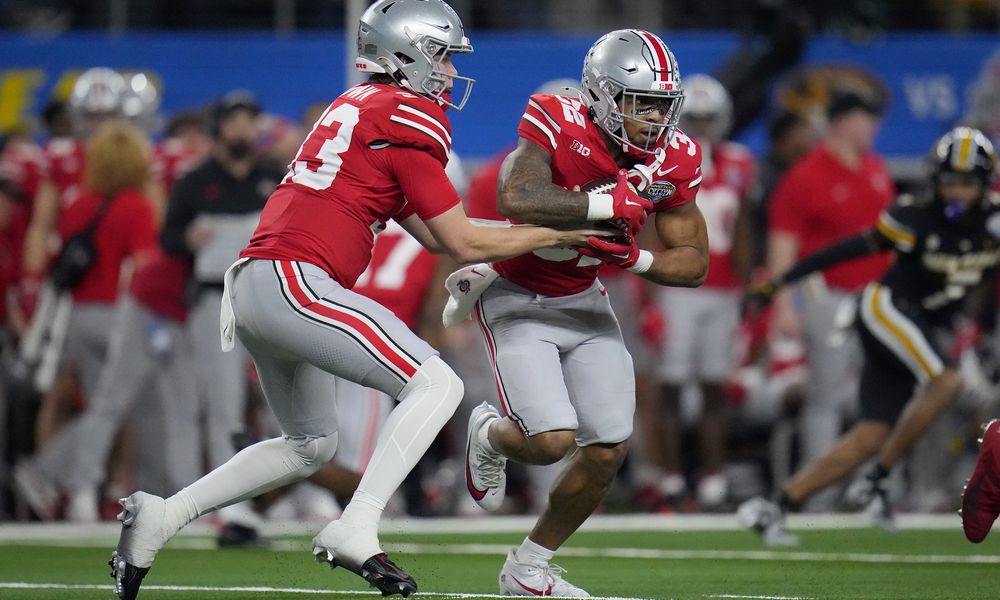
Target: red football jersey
[[399, 274], [159, 282], [378, 152], [821, 201], [728, 172], [65, 161], [25, 165], [481, 201], [561, 127]]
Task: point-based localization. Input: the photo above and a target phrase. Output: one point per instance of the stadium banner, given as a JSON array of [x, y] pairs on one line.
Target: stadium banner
[[929, 76]]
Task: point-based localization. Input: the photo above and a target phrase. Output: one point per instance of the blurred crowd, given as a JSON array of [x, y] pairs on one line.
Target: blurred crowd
[[117, 226]]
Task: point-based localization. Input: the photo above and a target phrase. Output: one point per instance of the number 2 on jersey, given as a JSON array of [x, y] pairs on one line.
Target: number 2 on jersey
[[323, 152]]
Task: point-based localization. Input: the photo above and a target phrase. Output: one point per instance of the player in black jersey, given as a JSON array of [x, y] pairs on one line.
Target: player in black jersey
[[945, 243]]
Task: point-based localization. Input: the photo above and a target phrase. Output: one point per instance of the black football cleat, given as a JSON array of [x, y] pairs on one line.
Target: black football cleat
[[127, 577], [379, 571], [234, 535]]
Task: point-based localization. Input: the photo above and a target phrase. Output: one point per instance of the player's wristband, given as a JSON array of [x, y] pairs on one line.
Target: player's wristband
[[643, 263], [601, 206]]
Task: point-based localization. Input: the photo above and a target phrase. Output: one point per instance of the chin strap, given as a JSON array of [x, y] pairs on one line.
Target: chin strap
[[640, 176]]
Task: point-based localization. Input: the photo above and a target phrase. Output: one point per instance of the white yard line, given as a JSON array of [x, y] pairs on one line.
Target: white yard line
[[14, 585], [758, 597]]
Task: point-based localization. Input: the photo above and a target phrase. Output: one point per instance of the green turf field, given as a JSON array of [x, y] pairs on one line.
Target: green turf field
[[830, 564]]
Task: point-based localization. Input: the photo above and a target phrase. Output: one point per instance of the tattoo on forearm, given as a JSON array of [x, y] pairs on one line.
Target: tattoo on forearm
[[531, 197]]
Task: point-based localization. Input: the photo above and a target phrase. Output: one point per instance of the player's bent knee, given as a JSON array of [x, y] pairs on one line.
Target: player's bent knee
[[437, 377], [314, 452], [551, 446], [606, 457]]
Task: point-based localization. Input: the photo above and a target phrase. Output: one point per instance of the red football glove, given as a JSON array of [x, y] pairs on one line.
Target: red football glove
[[618, 252], [628, 205]]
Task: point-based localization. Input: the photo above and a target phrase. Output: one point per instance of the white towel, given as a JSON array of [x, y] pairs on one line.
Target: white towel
[[465, 286], [227, 319]]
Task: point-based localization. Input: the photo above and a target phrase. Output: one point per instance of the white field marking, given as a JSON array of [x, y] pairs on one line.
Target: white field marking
[[758, 597], [653, 554], [492, 524], [16, 585]]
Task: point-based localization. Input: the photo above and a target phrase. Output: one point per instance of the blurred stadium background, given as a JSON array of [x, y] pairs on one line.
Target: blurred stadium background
[[930, 64]]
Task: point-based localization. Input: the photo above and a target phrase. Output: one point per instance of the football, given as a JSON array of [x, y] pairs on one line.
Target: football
[[604, 186]]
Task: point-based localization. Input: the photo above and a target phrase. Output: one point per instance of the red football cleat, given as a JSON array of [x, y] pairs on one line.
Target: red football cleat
[[981, 498]]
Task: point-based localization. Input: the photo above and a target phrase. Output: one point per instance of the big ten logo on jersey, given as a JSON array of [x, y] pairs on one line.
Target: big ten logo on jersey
[[577, 146], [394, 252], [22, 89], [719, 205]]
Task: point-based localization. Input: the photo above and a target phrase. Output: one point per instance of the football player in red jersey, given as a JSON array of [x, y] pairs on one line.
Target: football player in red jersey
[[377, 153], [564, 377]]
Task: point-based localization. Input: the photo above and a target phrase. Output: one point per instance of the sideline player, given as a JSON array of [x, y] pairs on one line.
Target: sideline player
[[564, 377], [377, 153], [704, 321], [944, 242]]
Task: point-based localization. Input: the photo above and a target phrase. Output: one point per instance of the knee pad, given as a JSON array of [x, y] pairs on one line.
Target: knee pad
[[314, 451], [437, 378]]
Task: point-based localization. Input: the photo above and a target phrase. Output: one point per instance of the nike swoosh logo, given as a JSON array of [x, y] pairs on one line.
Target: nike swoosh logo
[[667, 172], [476, 493], [630, 203], [477, 272], [546, 592]]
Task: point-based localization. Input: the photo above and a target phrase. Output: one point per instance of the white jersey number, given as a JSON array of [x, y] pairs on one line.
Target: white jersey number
[[391, 273], [340, 121]]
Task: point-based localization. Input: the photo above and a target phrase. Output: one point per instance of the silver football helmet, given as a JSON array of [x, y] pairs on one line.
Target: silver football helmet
[[627, 73], [98, 91], [141, 101], [98, 94], [407, 39], [708, 108]]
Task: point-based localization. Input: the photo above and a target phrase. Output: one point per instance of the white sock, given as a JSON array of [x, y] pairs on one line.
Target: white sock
[[533, 554], [254, 470], [425, 405], [484, 436]]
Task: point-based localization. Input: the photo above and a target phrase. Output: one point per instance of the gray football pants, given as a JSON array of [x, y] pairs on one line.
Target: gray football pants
[[147, 354], [304, 331], [833, 356]]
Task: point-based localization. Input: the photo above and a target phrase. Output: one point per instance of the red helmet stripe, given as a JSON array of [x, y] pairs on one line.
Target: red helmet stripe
[[660, 54]]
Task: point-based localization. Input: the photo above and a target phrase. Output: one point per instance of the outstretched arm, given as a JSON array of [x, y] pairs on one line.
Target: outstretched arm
[[856, 246]]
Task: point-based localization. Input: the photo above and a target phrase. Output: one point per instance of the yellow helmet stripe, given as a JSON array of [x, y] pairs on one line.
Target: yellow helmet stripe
[[964, 162]]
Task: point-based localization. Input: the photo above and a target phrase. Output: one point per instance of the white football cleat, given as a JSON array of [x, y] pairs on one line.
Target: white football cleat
[[712, 490], [350, 545], [522, 579], [484, 469], [767, 519], [144, 532], [357, 550]]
